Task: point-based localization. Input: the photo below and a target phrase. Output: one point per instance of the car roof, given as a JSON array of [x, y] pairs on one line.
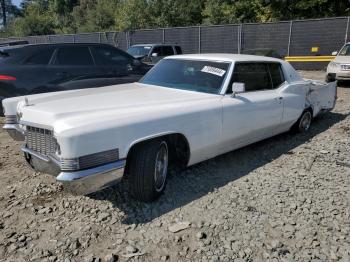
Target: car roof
[[164, 44], [226, 57], [63, 45]]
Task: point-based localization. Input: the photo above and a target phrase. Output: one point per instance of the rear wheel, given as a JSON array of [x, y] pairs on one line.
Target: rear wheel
[[148, 169], [304, 122]]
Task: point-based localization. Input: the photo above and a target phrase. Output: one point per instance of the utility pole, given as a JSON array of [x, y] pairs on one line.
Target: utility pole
[[3, 8]]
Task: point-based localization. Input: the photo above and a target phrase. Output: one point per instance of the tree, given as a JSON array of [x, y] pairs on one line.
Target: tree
[[37, 20], [231, 11], [3, 9], [170, 13], [8, 11], [132, 14], [276, 10]]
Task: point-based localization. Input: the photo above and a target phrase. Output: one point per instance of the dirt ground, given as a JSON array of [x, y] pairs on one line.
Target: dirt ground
[[283, 199]]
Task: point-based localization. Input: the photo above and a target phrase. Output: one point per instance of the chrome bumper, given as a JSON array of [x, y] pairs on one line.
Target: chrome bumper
[[80, 182]]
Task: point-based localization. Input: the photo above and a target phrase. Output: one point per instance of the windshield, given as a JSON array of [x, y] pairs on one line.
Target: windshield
[[345, 50], [139, 50], [191, 75]]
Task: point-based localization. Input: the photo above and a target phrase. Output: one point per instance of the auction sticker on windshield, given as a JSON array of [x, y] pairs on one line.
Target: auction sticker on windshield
[[213, 70]]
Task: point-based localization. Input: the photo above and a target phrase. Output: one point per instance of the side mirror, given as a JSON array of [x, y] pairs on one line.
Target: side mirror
[[334, 53], [237, 88], [154, 54]]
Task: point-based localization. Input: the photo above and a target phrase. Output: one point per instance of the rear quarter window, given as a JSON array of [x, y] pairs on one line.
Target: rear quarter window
[[277, 76], [42, 57]]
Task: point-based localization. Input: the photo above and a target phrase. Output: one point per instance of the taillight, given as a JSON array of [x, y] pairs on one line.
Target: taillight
[[7, 78]]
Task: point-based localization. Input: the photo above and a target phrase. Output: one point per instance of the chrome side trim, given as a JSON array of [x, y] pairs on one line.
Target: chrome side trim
[[15, 131]]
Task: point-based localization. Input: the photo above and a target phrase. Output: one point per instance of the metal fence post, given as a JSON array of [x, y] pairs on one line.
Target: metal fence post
[[74, 39], [347, 30], [163, 36], [128, 41], [290, 37], [199, 39], [239, 45]]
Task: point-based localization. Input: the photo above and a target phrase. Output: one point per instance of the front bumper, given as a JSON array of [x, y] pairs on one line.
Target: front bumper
[[81, 182], [339, 74]]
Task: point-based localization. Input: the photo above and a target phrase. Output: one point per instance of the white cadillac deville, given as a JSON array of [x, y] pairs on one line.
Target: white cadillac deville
[[187, 109]]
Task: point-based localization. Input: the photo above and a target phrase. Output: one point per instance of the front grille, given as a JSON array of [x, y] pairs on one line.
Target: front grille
[[41, 140], [11, 120]]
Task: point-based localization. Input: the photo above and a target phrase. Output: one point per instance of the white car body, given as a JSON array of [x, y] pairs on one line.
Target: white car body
[[339, 67], [89, 121]]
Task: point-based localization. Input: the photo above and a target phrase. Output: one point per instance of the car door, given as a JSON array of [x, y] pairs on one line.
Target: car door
[[116, 66], [71, 63], [256, 113]]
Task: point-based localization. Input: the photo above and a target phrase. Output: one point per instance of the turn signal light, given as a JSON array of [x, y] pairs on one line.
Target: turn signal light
[[8, 78]]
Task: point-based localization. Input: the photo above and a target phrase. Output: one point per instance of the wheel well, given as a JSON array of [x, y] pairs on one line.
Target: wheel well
[[179, 150], [310, 110]]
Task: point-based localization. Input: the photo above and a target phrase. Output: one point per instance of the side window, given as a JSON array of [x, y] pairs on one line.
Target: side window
[[158, 50], [74, 56], [255, 76], [167, 50], [110, 56], [276, 74], [40, 58], [178, 50]]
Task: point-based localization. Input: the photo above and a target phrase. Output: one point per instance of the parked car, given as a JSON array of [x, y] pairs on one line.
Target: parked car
[[14, 43], [185, 110], [263, 52], [339, 68], [33, 69], [152, 53]]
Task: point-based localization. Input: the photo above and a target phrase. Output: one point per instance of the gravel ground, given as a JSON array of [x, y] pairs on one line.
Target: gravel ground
[[283, 199]]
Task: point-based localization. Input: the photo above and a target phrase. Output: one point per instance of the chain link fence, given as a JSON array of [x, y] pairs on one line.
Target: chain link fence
[[290, 38]]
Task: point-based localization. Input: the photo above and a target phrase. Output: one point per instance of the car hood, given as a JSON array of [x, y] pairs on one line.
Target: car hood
[[63, 110], [342, 59]]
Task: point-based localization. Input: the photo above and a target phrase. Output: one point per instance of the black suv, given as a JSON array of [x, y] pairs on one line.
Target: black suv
[[33, 69]]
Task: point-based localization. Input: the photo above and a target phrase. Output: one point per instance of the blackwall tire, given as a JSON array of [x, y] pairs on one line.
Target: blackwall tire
[[304, 122], [148, 168]]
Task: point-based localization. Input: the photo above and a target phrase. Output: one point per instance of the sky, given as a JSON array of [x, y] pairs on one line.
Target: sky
[[16, 2]]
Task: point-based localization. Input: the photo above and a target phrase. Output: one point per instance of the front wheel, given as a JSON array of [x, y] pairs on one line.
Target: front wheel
[[149, 163]]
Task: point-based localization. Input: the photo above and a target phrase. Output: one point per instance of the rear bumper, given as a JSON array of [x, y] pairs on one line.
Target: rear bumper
[[80, 182]]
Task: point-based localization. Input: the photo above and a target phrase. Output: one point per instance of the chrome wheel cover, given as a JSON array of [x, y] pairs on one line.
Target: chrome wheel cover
[[305, 121], [161, 167]]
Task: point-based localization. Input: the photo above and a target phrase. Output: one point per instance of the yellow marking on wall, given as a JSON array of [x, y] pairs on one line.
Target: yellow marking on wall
[[314, 49], [309, 58]]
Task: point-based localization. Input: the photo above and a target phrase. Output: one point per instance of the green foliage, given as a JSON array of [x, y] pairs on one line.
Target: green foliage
[[38, 17], [231, 11], [35, 21]]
